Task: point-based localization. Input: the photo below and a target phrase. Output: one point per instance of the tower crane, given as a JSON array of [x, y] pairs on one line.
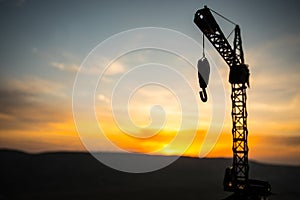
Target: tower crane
[[236, 177]]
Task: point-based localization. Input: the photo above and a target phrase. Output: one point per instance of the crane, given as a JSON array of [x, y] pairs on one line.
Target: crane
[[236, 177]]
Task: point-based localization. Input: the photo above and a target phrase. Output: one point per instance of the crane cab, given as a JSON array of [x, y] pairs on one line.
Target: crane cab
[[239, 74]]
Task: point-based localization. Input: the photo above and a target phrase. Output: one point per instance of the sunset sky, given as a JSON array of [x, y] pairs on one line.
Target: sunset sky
[[43, 44]]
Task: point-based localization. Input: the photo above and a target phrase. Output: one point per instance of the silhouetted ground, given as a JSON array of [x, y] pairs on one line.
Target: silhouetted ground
[[80, 176]]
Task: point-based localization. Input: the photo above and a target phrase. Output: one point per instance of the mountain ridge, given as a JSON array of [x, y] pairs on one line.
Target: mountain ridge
[[78, 175]]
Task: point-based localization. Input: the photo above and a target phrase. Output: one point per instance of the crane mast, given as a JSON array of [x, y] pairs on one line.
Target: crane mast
[[236, 177]]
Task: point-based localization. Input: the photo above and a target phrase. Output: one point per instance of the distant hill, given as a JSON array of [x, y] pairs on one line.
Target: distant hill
[[71, 175]]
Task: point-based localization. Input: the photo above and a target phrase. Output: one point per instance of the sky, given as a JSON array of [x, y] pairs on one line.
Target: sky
[[44, 44]]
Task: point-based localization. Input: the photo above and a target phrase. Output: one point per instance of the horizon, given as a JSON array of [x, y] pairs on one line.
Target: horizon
[[142, 154]]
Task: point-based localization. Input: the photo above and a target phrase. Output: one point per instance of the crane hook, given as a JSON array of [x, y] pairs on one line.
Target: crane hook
[[203, 95]]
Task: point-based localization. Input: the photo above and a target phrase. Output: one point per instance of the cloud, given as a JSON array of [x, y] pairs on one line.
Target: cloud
[[35, 115], [4, 116], [27, 104], [115, 68], [64, 67], [274, 97], [103, 98], [275, 149], [34, 85], [285, 140]]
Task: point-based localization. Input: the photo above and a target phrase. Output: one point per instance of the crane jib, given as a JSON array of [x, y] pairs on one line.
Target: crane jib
[[239, 72], [210, 28]]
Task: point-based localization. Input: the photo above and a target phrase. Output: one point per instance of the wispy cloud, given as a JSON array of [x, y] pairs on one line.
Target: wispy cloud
[[115, 68], [29, 102], [65, 67], [103, 98], [34, 85], [35, 115]]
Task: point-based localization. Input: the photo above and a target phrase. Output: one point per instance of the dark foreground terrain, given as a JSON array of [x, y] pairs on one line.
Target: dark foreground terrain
[[74, 176]]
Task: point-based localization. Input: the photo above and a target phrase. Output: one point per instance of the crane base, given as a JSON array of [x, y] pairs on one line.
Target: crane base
[[246, 197], [253, 190]]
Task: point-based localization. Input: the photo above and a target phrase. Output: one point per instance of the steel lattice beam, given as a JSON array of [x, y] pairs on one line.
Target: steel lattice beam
[[207, 24], [239, 134]]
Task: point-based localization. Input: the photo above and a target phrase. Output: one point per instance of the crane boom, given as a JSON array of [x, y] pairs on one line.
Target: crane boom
[[237, 177], [208, 25]]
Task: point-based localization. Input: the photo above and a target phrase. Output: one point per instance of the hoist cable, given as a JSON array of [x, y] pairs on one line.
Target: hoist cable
[[230, 33], [203, 50], [223, 17]]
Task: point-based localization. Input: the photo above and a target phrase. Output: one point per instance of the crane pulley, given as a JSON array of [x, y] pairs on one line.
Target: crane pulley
[[236, 177]]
